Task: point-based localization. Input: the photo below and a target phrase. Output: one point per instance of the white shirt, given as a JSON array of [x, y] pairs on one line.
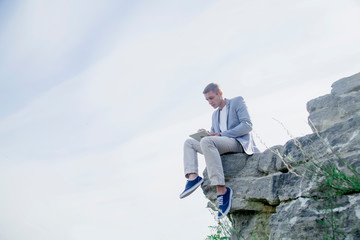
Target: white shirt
[[223, 119]]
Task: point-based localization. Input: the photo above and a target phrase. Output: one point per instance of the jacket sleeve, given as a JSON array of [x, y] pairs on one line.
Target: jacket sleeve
[[244, 127]]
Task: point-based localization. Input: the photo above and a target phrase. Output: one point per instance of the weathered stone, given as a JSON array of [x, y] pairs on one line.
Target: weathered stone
[[251, 226], [324, 102], [307, 218], [241, 164], [289, 186], [346, 85], [324, 118], [342, 104], [349, 105], [277, 194], [242, 205], [248, 190], [269, 160]]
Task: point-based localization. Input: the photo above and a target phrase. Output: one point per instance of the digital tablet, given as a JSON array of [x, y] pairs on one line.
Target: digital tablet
[[199, 135]]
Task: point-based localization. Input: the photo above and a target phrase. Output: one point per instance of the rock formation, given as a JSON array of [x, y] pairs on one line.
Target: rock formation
[[275, 201]]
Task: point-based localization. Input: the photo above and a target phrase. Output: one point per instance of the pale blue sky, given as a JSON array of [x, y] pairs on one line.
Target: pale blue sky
[[98, 97]]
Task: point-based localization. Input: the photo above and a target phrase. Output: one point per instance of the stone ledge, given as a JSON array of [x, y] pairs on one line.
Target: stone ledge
[[270, 202]]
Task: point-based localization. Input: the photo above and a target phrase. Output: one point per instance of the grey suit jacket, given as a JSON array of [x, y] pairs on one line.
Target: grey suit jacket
[[238, 124]]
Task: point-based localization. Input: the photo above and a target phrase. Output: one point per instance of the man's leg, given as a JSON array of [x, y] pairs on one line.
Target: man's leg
[[191, 148], [212, 147]]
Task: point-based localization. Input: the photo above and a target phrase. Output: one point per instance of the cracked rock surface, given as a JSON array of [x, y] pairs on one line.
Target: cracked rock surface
[[271, 202]]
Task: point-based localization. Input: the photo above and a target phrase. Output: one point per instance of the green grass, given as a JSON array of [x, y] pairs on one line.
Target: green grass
[[223, 228], [332, 181]]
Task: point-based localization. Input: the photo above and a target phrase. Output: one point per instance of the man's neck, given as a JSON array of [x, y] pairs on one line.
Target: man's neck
[[223, 103]]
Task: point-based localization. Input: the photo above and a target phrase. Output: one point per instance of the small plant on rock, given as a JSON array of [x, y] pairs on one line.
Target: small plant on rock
[[333, 181], [223, 230]]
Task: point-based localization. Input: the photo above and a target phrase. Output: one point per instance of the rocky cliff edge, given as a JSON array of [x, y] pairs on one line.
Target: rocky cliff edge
[[276, 197]]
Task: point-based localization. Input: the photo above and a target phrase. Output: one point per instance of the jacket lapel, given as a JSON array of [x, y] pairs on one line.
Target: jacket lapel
[[217, 124], [227, 112]]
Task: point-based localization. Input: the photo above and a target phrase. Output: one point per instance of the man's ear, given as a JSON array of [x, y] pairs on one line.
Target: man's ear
[[220, 92]]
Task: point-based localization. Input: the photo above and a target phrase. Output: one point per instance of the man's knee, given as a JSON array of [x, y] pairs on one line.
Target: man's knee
[[206, 141], [189, 143]]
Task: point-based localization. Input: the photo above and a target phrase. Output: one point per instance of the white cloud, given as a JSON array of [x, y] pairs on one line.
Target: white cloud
[[112, 194], [77, 153]]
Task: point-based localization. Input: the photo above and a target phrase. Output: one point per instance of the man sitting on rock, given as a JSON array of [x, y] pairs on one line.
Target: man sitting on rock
[[230, 133]]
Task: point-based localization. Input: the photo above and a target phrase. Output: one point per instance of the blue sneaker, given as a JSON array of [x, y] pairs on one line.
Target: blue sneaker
[[224, 202], [191, 186]]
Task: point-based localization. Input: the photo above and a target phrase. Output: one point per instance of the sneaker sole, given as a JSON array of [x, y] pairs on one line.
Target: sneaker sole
[[191, 190], [229, 207]]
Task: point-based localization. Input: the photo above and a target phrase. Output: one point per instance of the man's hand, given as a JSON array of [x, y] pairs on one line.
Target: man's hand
[[201, 129], [215, 134]]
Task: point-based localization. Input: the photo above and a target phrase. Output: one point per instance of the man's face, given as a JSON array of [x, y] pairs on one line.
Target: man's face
[[214, 99]]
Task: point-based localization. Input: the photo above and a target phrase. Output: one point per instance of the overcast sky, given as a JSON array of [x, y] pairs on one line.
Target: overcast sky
[[97, 98]]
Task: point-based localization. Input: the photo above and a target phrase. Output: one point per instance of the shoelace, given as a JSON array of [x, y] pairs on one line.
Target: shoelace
[[220, 200]]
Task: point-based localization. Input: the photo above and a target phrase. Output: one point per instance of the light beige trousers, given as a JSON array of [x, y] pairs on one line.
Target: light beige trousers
[[211, 147]]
